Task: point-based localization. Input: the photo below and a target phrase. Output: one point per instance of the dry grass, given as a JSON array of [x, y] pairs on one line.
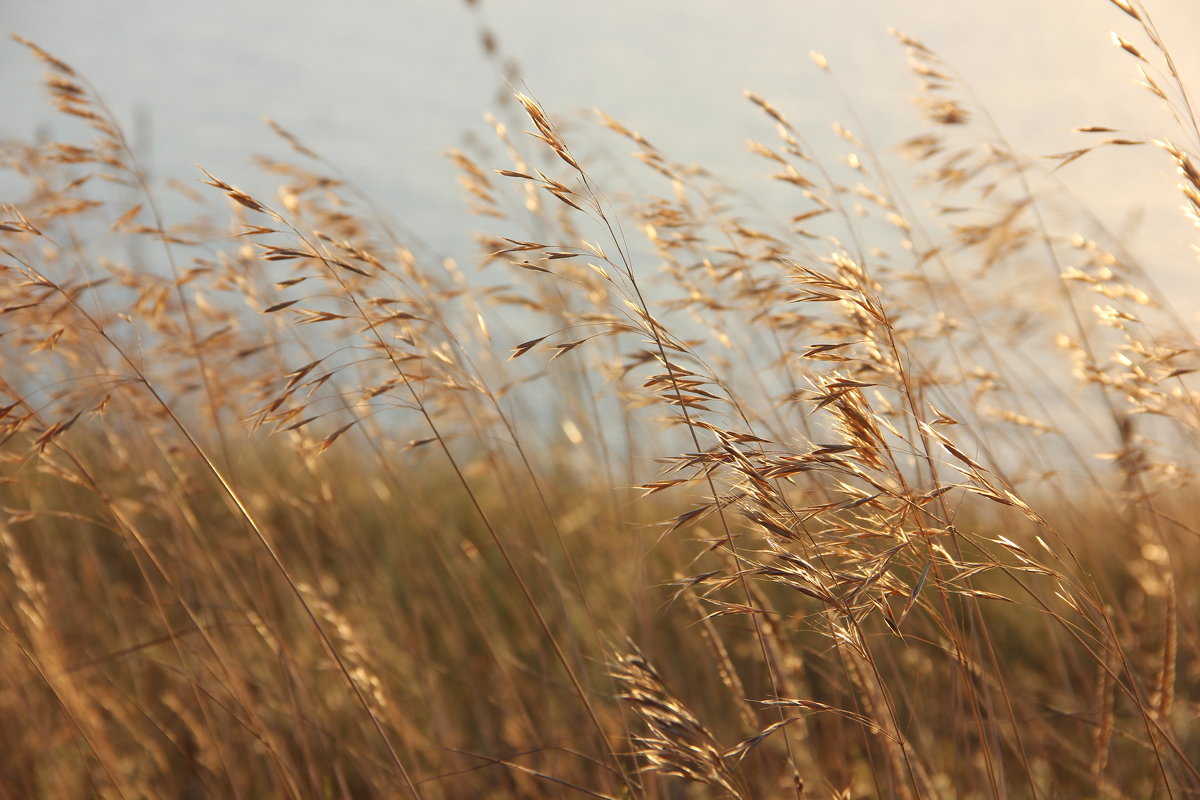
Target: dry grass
[[663, 500]]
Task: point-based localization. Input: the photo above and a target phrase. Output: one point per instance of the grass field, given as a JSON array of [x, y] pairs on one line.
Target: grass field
[[887, 493]]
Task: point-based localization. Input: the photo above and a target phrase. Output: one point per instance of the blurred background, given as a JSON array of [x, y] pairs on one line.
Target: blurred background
[[383, 89]]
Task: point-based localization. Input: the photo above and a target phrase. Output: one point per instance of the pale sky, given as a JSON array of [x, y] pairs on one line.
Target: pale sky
[[382, 88]]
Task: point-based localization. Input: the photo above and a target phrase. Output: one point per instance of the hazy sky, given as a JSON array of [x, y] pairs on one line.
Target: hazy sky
[[382, 87]]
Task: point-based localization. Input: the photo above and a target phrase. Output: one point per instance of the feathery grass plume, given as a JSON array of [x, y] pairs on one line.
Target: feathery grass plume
[[675, 743]]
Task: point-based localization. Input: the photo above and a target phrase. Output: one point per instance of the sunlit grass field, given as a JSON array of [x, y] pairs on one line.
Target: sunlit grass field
[[885, 493]]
